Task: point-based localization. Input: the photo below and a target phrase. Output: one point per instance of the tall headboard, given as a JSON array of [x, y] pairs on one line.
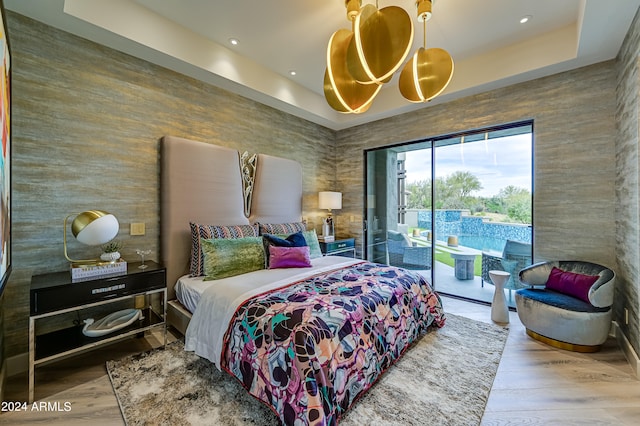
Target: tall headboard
[[277, 194], [203, 183]]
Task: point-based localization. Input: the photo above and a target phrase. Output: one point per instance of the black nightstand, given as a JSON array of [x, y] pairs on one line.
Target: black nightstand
[[54, 295], [344, 247]]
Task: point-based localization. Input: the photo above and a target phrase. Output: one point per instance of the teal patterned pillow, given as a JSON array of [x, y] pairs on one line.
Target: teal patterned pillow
[[225, 258], [312, 242]]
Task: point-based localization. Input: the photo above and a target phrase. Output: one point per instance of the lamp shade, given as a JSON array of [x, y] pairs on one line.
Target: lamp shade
[[95, 227], [329, 200]]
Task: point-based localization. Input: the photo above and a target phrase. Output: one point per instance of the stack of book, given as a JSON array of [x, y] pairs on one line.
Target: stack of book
[[101, 270]]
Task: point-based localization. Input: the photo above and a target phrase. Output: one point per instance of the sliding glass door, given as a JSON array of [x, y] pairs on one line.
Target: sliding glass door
[[389, 237], [453, 208]]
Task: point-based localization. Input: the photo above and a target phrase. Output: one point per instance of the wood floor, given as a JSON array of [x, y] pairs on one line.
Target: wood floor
[[535, 384]]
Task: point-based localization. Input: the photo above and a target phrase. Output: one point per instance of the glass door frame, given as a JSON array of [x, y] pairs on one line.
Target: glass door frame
[[432, 143]]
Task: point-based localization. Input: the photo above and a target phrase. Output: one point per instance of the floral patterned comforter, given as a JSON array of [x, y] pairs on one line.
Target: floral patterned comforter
[[310, 349]]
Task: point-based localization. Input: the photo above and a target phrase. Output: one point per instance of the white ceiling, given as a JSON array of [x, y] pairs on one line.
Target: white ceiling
[[489, 46]]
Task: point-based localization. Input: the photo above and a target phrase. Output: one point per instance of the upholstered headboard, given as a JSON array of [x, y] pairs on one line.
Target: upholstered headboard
[[277, 194], [203, 183]]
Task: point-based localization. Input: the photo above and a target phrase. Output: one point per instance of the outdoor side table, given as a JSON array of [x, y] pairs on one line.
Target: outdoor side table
[[463, 264], [499, 309]]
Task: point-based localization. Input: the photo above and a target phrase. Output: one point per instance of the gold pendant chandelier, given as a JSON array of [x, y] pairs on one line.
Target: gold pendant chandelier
[[361, 60], [429, 71]]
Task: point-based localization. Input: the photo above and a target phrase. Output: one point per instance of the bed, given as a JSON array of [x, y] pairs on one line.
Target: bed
[[304, 333]]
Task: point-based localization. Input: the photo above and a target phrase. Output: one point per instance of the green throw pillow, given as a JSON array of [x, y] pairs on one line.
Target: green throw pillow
[[225, 258], [312, 242]]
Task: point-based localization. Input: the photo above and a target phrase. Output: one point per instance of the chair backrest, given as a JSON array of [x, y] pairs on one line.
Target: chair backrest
[[396, 241], [520, 253], [516, 249], [601, 292], [400, 237], [394, 235]]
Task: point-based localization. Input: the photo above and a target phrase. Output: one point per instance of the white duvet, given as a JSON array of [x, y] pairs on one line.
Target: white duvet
[[221, 298]]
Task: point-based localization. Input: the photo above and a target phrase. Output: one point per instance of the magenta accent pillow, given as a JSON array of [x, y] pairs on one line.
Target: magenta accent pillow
[[289, 257], [571, 283]]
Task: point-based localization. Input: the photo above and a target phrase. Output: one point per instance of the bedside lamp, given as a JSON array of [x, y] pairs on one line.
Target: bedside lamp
[[93, 228], [329, 200]]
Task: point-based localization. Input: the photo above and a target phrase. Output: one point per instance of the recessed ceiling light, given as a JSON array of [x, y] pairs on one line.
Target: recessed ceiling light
[[234, 41], [292, 72], [525, 19]]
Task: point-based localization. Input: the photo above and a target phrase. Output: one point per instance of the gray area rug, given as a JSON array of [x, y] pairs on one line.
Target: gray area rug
[[443, 379]]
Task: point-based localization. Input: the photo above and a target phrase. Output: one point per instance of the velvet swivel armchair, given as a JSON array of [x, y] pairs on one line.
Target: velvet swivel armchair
[[567, 303]]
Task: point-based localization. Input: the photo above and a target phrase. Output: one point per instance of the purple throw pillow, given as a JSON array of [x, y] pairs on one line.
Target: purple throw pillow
[[571, 283], [289, 257]]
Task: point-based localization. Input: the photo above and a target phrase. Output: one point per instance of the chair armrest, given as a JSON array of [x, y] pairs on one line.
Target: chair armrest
[[490, 262], [417, 255], [601, 292], [536, 274]]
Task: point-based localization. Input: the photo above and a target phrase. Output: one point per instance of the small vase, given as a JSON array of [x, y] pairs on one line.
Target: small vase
[[110, 257]]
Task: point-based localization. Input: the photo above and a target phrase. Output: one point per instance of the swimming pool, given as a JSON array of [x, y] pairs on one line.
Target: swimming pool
[[482, 243]]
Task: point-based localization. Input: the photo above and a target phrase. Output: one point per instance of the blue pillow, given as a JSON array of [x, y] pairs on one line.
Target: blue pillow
[[294, 240]]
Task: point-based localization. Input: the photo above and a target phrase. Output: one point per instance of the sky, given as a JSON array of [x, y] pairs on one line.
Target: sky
[[497, 163]]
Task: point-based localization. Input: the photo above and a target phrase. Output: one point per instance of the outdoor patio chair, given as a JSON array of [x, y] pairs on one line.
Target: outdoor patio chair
[[404, 254], [567, 304], [515, 256]]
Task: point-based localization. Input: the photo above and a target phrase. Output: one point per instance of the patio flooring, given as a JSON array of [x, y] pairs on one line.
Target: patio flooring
[[445, 282]]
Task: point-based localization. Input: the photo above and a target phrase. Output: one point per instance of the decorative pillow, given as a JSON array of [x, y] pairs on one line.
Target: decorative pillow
[[289, 257], [571, 283], [313, 243], [293, 240], [230, 257], [198, 232], [311, 237], [281, 228]]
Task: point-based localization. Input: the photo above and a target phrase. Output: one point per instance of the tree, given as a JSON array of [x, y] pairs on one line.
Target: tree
[[495, 204], [419, 196], [456, 192], [518, 203], [456, 189], [452, 192]]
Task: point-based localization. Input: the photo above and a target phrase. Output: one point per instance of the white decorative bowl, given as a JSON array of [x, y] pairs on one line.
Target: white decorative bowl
[[110, 257]]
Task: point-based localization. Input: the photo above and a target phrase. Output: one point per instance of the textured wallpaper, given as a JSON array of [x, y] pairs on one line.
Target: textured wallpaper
[[86, 125], [627, 249], [87, 120]]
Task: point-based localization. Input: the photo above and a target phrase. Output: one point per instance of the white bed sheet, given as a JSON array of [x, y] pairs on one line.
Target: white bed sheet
[[219, 299], [189, 289]]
